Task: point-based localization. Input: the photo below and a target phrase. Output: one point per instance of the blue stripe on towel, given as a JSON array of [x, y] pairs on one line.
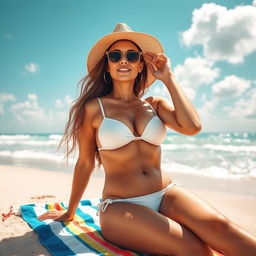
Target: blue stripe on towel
[[46, 236]]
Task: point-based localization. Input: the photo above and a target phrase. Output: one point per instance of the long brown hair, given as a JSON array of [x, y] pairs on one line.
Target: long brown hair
[[93, 85]]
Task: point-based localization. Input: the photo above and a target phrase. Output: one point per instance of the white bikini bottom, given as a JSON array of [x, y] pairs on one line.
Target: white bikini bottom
[[152, 200]]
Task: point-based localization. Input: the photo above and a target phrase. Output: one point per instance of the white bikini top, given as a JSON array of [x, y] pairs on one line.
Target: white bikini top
[[114, 134]]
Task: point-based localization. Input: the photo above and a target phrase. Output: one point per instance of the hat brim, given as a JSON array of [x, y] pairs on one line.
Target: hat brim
[[145, 41]]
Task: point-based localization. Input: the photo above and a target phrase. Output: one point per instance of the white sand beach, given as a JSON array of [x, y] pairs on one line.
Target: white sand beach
[[21, 185]]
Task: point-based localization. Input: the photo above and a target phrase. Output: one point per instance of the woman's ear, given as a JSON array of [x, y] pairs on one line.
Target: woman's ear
[[141, 66]]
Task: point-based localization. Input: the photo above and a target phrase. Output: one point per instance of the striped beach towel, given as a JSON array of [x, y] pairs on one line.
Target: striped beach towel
[[81, 236]]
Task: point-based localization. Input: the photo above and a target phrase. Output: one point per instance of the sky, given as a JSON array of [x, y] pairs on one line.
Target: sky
[[44, 45]]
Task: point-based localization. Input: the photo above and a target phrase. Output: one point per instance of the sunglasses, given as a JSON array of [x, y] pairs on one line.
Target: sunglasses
[[131, 56]]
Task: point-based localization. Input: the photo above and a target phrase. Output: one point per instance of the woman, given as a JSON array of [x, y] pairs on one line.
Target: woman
[[124, 133]]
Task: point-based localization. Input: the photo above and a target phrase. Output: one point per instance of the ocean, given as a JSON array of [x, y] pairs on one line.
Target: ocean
[[219, 154]]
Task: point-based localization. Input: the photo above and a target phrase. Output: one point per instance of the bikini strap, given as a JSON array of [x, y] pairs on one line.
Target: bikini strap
[[151, 107], [102, 206], [101, 107], [174, 182]]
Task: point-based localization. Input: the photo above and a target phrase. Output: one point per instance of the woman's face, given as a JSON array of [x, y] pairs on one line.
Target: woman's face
[[134, 67]]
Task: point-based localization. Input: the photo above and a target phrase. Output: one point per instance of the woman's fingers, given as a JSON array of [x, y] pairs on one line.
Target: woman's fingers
[[157, 59], [56, 216], [50, 215], [152, 67], [160, 62]]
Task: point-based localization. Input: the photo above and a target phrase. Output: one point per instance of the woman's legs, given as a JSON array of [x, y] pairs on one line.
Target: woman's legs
[[188, 209], [137, 227]]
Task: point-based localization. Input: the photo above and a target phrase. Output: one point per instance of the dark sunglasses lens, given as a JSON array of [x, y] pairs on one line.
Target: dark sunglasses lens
[[115, 56], [132, 56]]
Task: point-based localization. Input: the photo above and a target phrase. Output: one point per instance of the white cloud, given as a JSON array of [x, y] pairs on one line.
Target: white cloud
[[32, 67], [193, 73], [5, 97], [58, 103], [29, 105], [32, 97], [229, 118], [27, 110], [67, 101], [203, 97], [208, 108], [245, 107], [236, 116], [190, 93], [227, 35], [254, 3], [29, 115], [230, 86]]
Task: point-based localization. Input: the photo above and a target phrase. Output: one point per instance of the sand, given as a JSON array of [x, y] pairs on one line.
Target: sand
[[235, 198]]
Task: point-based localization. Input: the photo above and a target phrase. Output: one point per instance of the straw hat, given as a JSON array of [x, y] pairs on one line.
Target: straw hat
[[145, 41]]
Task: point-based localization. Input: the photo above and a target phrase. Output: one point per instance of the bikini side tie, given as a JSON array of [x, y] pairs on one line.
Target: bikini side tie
[[102, 206]]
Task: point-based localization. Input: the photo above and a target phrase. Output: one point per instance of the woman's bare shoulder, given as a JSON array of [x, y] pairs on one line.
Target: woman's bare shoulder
[[91, 107]]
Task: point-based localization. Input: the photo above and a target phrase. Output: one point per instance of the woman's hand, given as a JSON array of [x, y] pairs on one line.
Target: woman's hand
[[159, 65], [57, 216]]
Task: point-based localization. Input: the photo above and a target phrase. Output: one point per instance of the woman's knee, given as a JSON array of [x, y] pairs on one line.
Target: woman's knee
[[218, 223]]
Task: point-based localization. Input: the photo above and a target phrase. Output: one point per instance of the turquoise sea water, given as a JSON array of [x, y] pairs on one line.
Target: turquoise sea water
[[212, 154]]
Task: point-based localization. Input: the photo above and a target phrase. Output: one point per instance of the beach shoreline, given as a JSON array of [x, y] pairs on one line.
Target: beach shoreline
[[234, 198]]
